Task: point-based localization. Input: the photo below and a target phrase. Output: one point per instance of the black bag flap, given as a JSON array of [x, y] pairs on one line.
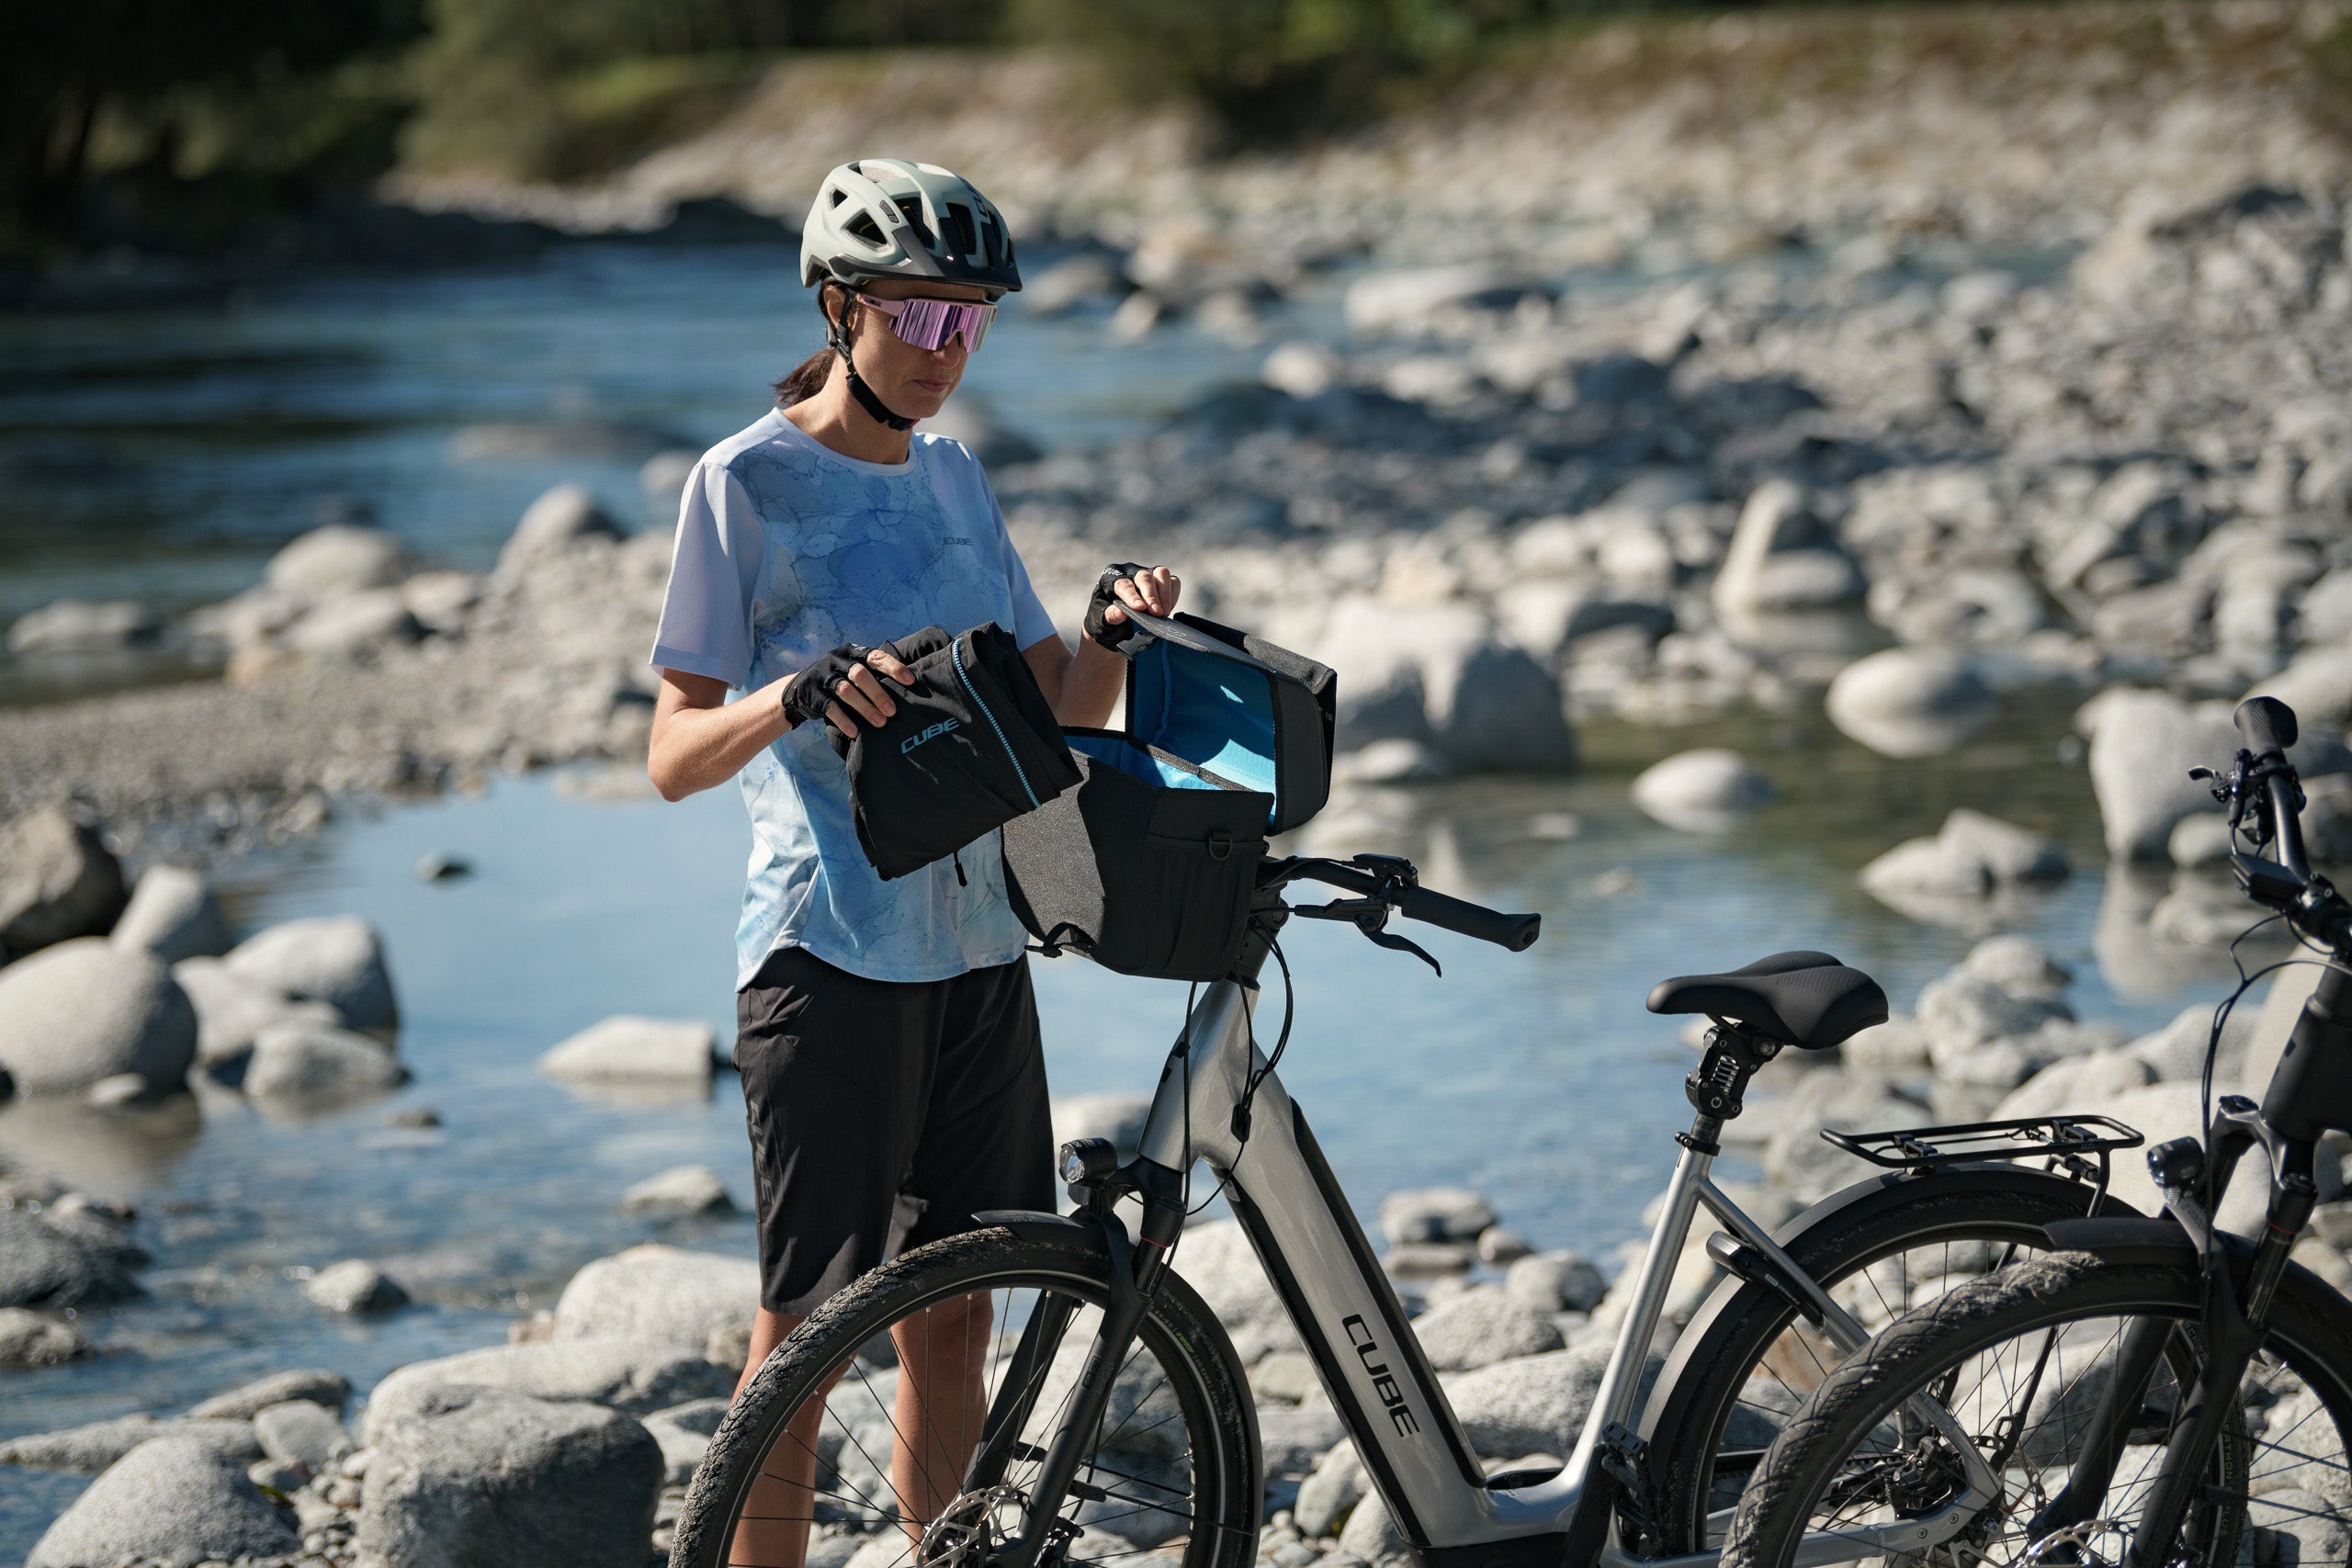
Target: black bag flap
[[1237, 708]]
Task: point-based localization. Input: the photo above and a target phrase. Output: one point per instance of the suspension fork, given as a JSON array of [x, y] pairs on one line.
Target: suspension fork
[[2233, 1330], [1133, 1278]]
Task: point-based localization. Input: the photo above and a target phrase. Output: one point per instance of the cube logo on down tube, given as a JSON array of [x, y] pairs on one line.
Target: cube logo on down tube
[[1384, 1383]]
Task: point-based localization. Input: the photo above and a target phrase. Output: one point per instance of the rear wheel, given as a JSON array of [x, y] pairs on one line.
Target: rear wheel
[[907, 1419], [2021, 1359], [1745, 1365]]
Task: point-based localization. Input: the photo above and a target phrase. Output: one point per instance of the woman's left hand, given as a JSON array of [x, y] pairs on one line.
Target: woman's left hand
[[1127, 586]]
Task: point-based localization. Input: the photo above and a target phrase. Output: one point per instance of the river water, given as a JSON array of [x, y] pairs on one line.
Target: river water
[[164, 455]]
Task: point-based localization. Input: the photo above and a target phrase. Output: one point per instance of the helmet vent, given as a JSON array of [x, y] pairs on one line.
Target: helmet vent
[[864, 227], [913, 207], [968, 239]]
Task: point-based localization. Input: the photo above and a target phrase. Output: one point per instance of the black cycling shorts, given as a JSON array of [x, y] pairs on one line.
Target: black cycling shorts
[[883, 1115]]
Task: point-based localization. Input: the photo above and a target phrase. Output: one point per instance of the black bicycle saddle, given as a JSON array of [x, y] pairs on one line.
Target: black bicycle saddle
[[1798, 999]]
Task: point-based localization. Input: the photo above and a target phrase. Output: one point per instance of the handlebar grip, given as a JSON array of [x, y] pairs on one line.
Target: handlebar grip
[[2267, 724], [1517, 933]]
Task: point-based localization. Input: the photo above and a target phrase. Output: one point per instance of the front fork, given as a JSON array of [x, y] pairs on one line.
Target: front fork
[[1135, 1270], [2231, 1328]]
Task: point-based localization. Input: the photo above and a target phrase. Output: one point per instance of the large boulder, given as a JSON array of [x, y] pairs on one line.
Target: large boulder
[[319, 1063], [626, 1047], [1972, 855], [173, 915], [335, 959], [78, 625], [1556, 1281], [627, 1374], [355, 626], [85, 1011], [659, 1295], [1530, 1405], [46, 1261], [231, 1011], [337, 559], [490, 1478], [2317, 685], [2076, 1085], [681, 1189], [2142, 745], [174, 1500], [90, 1448], [1702, 791], [58, 881], [1443, 675], [1434, 1213], [1483, 1325], [553, 524], [32, 1339], [1217, 1260], [1911, 702], [304, 1432]]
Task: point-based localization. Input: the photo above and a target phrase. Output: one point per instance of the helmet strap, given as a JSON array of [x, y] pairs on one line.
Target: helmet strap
[[882, 412]]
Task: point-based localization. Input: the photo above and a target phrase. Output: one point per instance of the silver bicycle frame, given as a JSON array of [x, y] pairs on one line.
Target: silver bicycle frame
[[1355, 1329]]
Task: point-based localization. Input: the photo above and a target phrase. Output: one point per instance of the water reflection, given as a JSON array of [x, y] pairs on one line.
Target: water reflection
[[106, 1149]]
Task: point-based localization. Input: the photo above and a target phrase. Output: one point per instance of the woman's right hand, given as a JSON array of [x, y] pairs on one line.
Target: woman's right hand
[[845, 687]]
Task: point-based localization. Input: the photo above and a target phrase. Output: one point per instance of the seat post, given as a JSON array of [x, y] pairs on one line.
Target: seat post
[[1718, 1085]]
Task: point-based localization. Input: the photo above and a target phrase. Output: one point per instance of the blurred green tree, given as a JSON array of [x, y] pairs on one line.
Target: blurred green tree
[[156, 84]]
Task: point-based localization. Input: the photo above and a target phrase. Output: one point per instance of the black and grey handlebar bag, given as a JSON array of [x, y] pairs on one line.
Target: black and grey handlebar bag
[[1148, 866], [972, 746]]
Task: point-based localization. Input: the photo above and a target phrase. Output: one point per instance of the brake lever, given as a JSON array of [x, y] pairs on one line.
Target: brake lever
[[1369, 915]]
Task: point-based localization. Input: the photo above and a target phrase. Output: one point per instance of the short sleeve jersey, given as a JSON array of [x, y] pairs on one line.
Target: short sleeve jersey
[[785, 549]]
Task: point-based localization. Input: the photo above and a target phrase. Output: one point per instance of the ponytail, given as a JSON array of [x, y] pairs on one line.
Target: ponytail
[[806, 380]]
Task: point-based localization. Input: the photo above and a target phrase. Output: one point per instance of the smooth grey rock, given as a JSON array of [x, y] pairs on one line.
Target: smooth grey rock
[[80, 625], [1336, 1486], [627, 1374], [85, 1011], [1118, 1117], [335, 959], [1972, 854], [491, 1478], [699, 1415], [300, 1062], [173, 915], [300, 1430], [438, 600], [175, 1500], [1481, 1327], [1434, 1213], [659, 1295], [1911, 702], [1425, 1259], [87, 1449], [1294, 1436], [1702, 791], [1529, 1404], [2019, 966], [1556, 1281], [330, 1390], [49, 1264], [58, 881], [1370, 1534], [1445, 676], [1217, 1260], [626, 1047], [2176, 1053], [682, 1450], [354, 626], [1287, 1377], [1960, 1010], [1406, 301], [2142, 745], [232, 1011], [2200, 840], [553, 524], [337, 559], [683, 1189], [355, 1285], [2079, 1085], [1500, 1245], [1783, 560], [1392, 762], [29, 1340]]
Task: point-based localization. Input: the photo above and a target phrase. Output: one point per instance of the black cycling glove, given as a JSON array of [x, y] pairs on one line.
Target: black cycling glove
[[808, 695], [1098, 629]]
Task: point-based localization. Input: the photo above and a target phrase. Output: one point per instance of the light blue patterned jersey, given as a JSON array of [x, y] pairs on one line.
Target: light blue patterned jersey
[[786, 549]]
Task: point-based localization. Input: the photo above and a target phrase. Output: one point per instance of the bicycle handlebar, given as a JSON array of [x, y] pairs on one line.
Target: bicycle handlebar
[[2269, 727], [1517, 933]]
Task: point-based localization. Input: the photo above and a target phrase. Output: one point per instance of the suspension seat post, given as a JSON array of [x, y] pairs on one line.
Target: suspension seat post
[[1717, 1086]]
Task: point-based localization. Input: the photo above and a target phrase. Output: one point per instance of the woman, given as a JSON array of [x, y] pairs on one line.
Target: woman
[[887, 1036]]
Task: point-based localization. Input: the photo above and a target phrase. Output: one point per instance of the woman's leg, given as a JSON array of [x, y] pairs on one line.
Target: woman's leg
[[773, 1529], [941, 1404]]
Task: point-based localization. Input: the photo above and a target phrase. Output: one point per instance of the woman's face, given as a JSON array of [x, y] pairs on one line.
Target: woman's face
[[913, 381]]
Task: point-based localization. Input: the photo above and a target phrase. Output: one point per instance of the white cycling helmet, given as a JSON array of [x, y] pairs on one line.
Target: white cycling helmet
[[888, 218]]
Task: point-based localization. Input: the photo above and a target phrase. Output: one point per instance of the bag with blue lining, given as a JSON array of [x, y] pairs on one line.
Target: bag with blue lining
[[1149, 864]]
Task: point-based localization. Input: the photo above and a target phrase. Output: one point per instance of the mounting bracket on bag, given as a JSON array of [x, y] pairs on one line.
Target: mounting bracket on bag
[[1394, 876]]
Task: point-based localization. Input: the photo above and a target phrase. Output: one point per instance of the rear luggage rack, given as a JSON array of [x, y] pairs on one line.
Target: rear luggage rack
[[2068, 1143]]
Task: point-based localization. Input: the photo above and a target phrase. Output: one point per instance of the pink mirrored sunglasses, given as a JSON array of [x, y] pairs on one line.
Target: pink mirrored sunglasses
[[928, 323]]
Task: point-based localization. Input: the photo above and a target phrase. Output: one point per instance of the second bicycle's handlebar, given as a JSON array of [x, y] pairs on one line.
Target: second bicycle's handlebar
[[1517, 933]]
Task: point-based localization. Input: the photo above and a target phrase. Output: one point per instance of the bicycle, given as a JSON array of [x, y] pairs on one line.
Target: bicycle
[[2152, 1390], [1096, 1408]]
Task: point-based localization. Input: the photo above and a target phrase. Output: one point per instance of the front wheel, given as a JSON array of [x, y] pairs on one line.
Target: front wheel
[[905, 1421], [2023, 1359]]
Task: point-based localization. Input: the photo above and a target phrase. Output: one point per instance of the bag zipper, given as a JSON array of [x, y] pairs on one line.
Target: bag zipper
[[957, 648]]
